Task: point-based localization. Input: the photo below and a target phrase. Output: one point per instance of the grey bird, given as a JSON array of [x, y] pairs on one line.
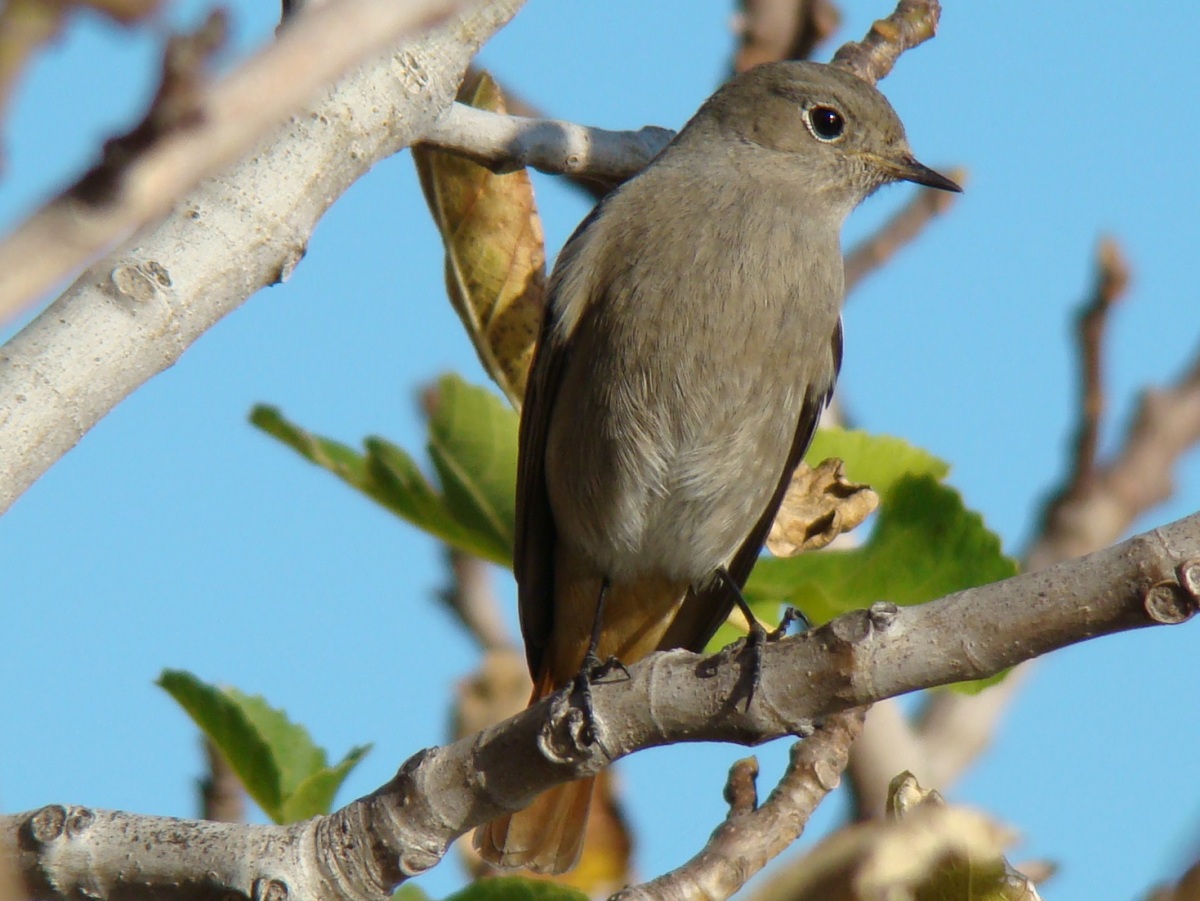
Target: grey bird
[[692, 337]]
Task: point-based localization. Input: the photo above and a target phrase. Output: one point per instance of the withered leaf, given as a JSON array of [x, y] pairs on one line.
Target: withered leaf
[[820, 504], [495, 253], [931, 853]]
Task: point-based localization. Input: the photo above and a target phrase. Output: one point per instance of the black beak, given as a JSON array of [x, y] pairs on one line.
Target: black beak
[[908, 169]]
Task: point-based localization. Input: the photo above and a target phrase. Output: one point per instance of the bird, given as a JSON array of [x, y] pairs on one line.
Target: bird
[[691, 338]]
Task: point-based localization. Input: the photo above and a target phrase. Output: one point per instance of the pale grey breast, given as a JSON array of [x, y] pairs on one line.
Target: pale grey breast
[[691, 420]]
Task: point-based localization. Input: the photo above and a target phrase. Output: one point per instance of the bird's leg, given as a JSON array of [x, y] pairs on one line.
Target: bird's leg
[[757, 636], [593, 668]]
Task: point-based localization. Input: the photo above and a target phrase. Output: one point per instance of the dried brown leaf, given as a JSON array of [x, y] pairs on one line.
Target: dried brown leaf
[[495, 252], [905, 795], [820, 504], [934, 852]]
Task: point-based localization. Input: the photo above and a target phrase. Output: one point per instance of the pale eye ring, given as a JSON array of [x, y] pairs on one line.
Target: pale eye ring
[[825, 122]]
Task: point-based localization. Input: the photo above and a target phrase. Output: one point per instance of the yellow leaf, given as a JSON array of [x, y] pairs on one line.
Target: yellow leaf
[[495, 252]]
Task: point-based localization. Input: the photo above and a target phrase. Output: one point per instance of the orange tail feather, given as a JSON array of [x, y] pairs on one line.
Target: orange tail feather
[[545, 837]]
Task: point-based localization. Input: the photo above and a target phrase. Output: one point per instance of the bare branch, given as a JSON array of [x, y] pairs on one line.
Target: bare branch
[[222, 123], [222, 797], [471, 597], [954, 729], [948, 735], [749, 839], [506, 143], [913, 23], [902, 229], [403, 829], [1112, 281], [131, 315], [782, 29], [1097, 508], [517, 105]]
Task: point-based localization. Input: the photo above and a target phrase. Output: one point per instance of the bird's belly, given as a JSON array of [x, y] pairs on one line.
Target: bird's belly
[[678, 506]]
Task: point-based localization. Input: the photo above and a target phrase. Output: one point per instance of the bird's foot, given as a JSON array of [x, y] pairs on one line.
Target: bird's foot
[[790, 615], [593, 670], [757, 638]]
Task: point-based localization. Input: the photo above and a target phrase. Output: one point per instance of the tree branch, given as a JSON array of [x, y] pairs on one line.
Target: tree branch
[[872, 58], [506, 143], [782, 29], [222, 798], [372, 844], [1096, 508], [132, 314], [750, 838], [167, 155], [1112, 281], [900, 230]]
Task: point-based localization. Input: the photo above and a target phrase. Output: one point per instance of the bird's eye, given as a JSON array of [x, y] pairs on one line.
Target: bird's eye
[[827, 124]]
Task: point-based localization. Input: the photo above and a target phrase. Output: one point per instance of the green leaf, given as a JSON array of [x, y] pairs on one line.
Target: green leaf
[[473, 445], [406, 492], [314, 795], [876, 460], [925, 542], [229, 727], [410, 891], [517, 888], [278, 763]]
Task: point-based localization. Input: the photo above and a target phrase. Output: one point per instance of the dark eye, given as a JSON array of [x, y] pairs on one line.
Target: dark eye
[[826, 122]]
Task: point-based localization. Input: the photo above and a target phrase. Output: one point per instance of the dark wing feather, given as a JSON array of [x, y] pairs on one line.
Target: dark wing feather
[[536, 533], [705, 609]]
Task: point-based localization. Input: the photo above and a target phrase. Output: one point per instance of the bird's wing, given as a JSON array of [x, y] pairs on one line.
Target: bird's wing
[[705, 609], [536, 532]]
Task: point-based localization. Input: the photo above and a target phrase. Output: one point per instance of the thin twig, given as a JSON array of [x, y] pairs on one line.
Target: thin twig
[[771, 30], [1112, 281], [913, 23], [1166, 424], [749, 839], [1097, 507], [222, 798], [901, 229], [505, 143], [471, 597], [224, 121], [517, 105]]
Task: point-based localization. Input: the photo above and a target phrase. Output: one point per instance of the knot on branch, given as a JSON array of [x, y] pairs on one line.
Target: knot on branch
[[567, 737], [1170, 602]]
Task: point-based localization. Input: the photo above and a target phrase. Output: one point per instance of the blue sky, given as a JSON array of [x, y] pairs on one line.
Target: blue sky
[[175, 535]]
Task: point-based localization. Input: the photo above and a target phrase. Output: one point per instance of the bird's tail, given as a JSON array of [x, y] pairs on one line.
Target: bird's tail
[[547, 836]]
